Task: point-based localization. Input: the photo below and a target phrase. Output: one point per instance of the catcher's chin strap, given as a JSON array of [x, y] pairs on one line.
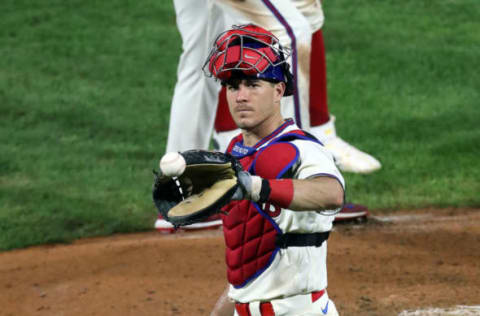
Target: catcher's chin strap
[[301, 240]]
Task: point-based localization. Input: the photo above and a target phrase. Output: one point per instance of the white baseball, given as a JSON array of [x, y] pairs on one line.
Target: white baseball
[[172, 164]]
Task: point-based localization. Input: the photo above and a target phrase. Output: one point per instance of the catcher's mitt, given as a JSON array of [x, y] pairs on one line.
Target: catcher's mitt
[[207, 184]]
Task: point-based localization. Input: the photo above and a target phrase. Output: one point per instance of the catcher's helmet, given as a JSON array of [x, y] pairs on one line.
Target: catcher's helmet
[[249, 50]]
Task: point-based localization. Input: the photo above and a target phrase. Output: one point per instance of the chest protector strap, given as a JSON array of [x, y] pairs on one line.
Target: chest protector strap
[[301, 240]]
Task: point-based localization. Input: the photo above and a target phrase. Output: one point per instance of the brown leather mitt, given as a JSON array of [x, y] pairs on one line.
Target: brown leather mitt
[[207, 184]]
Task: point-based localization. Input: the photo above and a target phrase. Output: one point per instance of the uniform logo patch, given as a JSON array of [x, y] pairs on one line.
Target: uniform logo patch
[[271, 209], [325, 310]]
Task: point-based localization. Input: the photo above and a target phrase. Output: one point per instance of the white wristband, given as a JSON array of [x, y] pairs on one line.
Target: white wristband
[[256, 188]]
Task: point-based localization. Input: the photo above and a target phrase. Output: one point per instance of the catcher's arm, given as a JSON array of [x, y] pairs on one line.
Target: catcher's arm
[[319, 193]]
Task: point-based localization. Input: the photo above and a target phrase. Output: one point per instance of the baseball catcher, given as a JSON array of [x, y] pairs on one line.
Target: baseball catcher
[[278, 185]]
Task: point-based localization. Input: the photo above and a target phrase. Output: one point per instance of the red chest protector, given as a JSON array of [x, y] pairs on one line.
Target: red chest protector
[[249, 228]]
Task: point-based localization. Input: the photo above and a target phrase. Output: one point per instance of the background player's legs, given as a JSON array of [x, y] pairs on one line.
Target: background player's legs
[[312, 76], [195, 96]]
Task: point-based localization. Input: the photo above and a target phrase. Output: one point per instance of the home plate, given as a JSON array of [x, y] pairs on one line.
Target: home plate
[[460, 310]]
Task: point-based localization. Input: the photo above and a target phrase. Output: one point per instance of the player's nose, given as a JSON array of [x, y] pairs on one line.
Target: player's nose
[[242, 93]]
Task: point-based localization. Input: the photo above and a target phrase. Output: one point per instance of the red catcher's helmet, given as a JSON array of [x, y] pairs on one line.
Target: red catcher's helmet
[[252, 51]]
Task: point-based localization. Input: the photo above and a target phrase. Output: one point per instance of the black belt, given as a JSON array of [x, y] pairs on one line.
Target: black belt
[[301, 240]]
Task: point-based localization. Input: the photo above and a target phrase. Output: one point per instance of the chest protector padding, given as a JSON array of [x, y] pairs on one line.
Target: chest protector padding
[[249, 231]]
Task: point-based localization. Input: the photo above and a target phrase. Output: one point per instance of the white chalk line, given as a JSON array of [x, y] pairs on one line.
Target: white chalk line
[[460, 310], [416, 222], [430, 217]]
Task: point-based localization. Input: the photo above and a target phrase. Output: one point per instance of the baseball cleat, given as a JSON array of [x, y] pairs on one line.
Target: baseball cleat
[[351, 212], [347, 157], [212, 222]]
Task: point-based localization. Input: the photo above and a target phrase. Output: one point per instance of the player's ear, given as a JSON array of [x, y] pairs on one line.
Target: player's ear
[[279, 90]]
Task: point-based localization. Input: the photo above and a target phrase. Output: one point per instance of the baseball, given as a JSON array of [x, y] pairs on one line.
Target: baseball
[[172, 164]]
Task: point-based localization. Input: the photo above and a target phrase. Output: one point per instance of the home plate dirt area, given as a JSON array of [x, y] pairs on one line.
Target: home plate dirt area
[[422, 262]]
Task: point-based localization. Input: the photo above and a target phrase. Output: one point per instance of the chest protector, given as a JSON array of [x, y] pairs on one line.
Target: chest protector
[[249, 228]]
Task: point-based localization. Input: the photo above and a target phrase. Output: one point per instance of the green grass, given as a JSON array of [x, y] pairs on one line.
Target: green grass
[[85, 90], [404, 84]]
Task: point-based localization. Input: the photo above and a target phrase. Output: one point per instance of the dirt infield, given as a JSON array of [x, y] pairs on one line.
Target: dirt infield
[[403, 261]]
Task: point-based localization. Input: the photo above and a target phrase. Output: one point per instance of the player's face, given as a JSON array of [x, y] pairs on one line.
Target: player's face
[[253, 102]]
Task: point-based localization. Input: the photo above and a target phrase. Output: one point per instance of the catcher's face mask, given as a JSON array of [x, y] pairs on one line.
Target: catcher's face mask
[[251, 50]]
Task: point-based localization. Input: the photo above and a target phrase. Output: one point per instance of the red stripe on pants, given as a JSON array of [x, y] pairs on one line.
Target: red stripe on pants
[[243, 309], [317, 295], [266, 308], [318, 106]]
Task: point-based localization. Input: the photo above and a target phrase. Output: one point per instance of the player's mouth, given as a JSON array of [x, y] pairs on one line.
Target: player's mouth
[[243, 108]]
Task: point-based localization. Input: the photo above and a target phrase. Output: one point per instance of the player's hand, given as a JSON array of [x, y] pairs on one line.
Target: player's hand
[[250, 187]]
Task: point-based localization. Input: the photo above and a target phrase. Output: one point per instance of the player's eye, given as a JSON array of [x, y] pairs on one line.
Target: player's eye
[[253, 84]]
